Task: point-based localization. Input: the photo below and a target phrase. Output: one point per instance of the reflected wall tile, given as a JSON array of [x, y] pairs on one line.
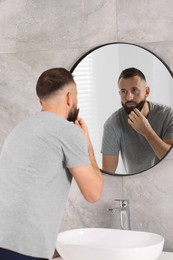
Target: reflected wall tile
[[80, 213], [145, 21], [10, 15], [66, 24], [151, 194], [164, 51]]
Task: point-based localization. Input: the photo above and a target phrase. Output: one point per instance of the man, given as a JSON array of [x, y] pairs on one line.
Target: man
[[34, 180], [141, 131]]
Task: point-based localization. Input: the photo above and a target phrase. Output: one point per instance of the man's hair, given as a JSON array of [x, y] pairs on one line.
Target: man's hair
[[131, 72], [52, 80]]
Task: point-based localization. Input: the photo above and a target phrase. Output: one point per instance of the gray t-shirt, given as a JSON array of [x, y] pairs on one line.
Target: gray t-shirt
[[34, 181], [119, 136]]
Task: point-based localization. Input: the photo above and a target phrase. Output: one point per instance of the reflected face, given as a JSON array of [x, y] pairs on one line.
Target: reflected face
[[133, 92], [73, 113]]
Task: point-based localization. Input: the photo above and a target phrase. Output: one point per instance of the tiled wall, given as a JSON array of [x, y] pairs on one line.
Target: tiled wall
[[150, 196], [36, 35]]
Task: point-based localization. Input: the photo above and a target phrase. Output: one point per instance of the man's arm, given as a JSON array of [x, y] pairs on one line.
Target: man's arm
[[89, 178], [110, 162], [141, 125], [89, 181]]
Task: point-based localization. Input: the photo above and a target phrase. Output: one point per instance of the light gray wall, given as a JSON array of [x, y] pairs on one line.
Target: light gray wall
[[150, 197], [40, 34]]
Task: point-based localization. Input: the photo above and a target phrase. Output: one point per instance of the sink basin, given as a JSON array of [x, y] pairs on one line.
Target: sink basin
[[110, 244]]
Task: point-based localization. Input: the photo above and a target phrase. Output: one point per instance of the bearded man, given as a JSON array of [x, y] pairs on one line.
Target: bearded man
[[38, 160], [142, 131]]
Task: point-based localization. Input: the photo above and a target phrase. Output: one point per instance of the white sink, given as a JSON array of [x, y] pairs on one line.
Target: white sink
[[109, 244]]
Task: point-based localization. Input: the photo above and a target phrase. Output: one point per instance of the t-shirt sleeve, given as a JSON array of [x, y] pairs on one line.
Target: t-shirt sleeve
[[75, 148], [168, 125], [110, 143]]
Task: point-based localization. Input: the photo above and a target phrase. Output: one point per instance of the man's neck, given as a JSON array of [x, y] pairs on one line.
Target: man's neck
[[53, 109], [146, 109]]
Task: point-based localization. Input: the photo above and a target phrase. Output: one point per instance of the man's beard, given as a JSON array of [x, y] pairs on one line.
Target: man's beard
[[139, 106], [73, 114]]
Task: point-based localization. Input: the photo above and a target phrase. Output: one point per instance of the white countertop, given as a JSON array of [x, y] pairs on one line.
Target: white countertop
[[164, 256]]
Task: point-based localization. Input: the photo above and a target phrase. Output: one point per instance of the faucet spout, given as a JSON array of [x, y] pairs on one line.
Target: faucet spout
[[124, 212]]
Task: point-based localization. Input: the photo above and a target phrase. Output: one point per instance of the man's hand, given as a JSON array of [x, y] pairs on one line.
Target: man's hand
[[141, 125], [80, 122], [139, 122]]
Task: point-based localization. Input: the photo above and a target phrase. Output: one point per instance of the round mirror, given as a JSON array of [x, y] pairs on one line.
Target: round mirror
[[96, 74]]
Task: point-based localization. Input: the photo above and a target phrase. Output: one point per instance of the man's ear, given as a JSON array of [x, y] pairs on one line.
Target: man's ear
[[41, 102], [147, 91], [68, 98]]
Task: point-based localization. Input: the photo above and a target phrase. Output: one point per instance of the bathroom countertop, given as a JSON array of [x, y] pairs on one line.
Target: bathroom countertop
[[164, 256]]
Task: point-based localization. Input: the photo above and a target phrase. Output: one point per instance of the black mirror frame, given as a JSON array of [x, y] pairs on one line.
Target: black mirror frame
[[125, 43]]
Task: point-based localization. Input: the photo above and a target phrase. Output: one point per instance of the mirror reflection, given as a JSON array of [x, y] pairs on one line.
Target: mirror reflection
[[112, 80], [135, 131]]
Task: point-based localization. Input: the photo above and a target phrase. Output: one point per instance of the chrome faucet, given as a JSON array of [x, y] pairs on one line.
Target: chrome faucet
[[124, 211]]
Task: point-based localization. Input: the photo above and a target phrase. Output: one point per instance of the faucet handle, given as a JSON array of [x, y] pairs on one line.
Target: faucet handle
[[123, 202]]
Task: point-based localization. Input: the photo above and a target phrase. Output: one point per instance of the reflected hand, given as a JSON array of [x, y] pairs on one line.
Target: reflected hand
[[139, 122]]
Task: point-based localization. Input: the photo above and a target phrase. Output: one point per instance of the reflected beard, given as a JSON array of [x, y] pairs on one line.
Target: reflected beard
[[73, 114], [139, 106]]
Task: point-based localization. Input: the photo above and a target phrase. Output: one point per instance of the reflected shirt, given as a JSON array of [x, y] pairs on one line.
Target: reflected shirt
[[119, 136]]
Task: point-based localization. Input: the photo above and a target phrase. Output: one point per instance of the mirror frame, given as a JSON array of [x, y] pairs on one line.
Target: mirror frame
[[164, 63]]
